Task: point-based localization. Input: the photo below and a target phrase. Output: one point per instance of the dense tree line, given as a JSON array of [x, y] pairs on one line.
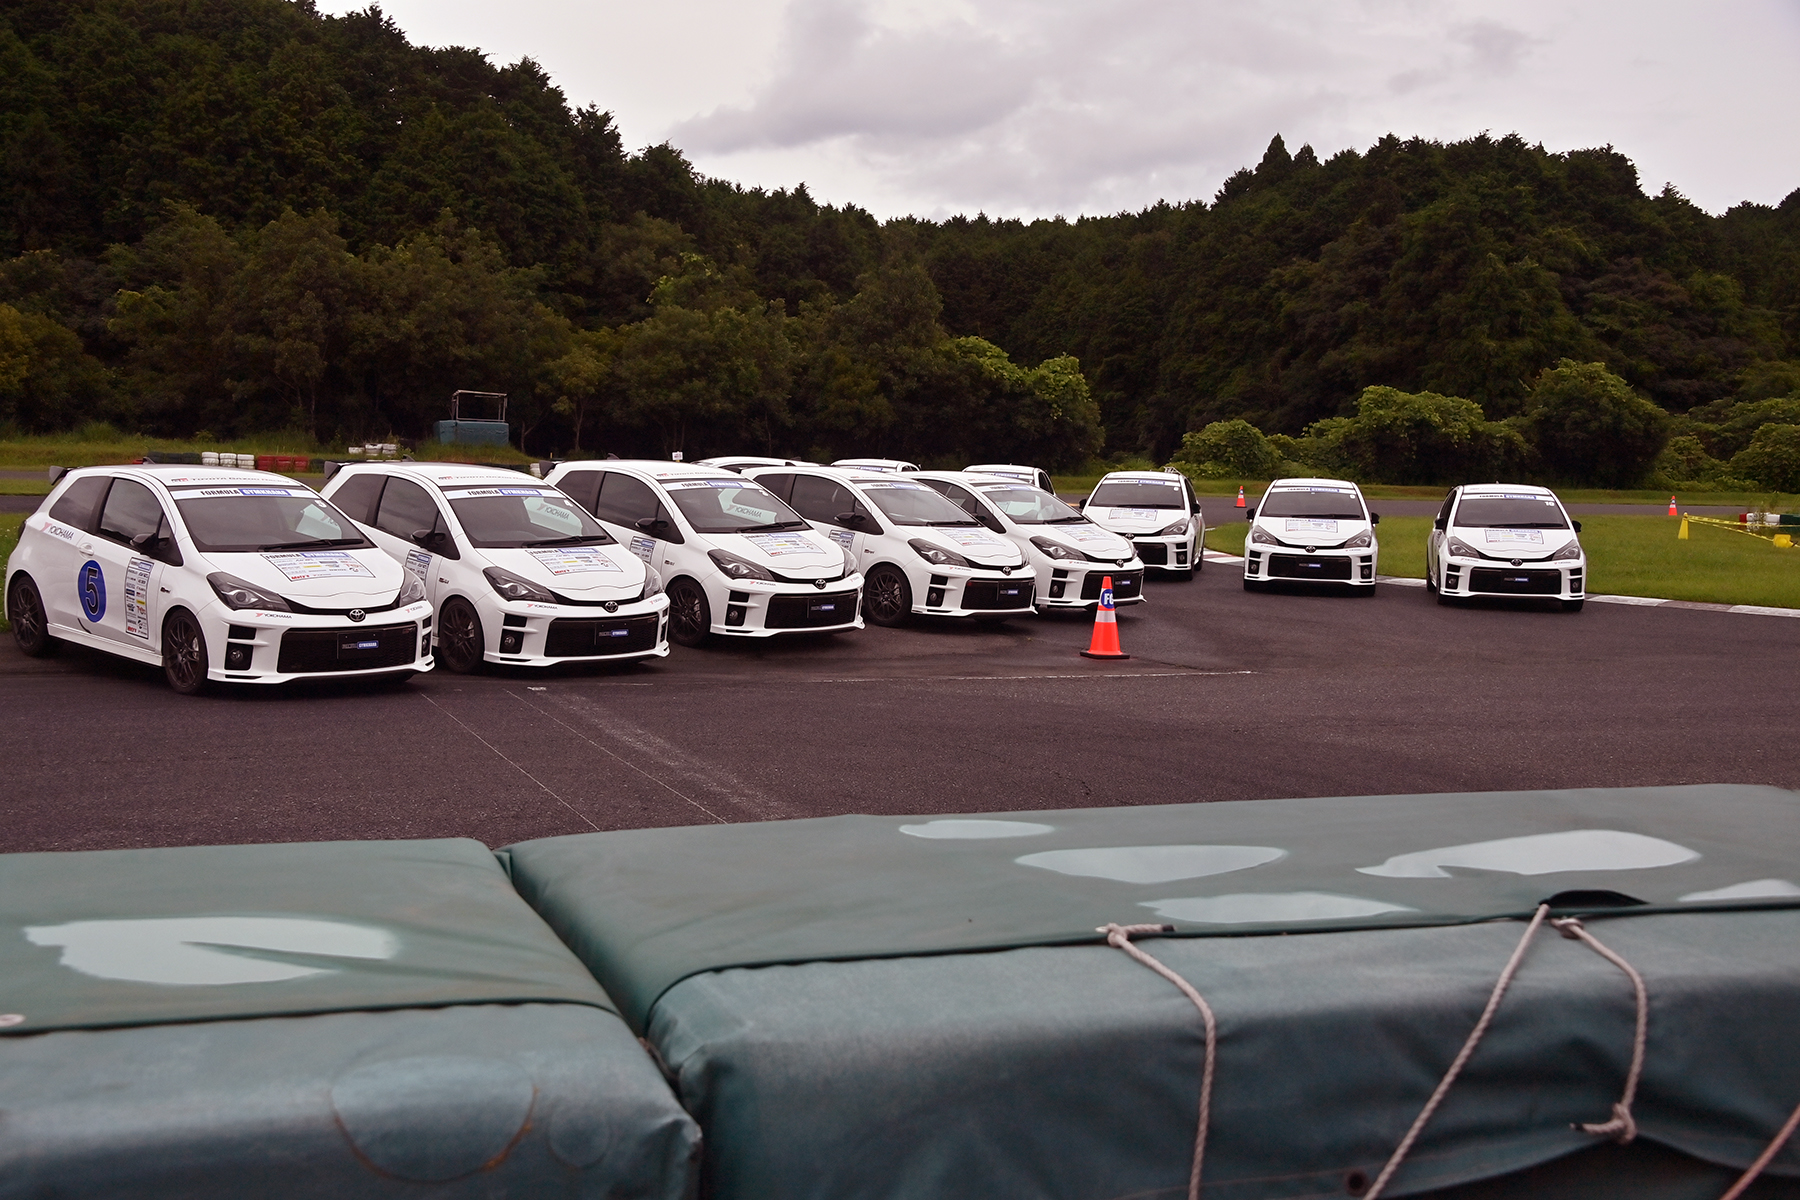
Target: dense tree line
[[239, 215]]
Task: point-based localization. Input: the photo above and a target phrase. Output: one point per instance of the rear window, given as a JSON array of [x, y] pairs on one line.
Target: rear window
[[76, 506]]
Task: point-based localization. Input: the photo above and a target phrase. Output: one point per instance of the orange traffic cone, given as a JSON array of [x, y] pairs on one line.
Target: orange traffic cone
[[1671, 506], [1240, 502], [1106, 627]]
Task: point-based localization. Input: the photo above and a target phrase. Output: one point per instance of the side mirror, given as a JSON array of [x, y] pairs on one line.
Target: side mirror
[[1078, 503], [1438, 523], [1374, 518], [648, 523], [428, 538], [1577, 525], [144, 539], [849, 518], [1249, 514]]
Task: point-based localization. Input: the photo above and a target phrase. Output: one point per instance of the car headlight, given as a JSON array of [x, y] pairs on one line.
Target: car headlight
[[936, 556], [1572, 550], [1360, 540], [738, 568], [1261, 538], [511, 587], [1461, 549], [1058, 551], [411, 592], [653, 584], [1170, 531], [238, 594]]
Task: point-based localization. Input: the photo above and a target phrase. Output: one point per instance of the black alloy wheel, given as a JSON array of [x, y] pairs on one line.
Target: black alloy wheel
[[887, 596], [460, 641], [30, 626], [690, 616], [184, 653]]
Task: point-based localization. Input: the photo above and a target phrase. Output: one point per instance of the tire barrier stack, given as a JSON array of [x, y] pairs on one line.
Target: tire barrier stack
[[890, 1007]]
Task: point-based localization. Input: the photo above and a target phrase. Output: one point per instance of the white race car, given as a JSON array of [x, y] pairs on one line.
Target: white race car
[[737, 561], [214, 573], [919, 552], [1159, 512], [519, 574], [1506, 539], [887, 466], [1037, 477], [1072, 555], [1311, 531]]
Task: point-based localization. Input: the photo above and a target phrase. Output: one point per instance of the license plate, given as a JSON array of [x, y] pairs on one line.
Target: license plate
[[823, 608], [1011, 593], [604, 632], [354, 647]]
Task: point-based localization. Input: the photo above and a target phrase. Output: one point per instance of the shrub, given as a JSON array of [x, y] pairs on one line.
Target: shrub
[[1227, 448], [1589, 426], [1772, 459]]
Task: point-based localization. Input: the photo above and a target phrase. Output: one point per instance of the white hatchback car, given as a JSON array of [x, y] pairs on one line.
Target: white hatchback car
[[1311, 531], [737, 561], [1506, 539], [1159, 512], [919, 552], [519, 574], [215, 574], [1072, 555]]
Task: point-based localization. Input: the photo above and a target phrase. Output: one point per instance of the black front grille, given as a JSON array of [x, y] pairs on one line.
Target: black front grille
[[390, 606], [990, 594], [1127, 585], [599, 637], [1513, 581], [1295, 566], [1154, 554], [311, 650], [809, 612]]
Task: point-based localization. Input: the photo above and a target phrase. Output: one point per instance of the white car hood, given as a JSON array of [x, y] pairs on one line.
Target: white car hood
[[1091, 540], [582, 572], [798, 553], [1133, 520], [973, 542], [1526, 545], [333, 577], [1323, 532]]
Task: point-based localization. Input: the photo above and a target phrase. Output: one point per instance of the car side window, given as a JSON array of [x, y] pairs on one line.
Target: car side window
[[405, 509], [624, 500], [581, 487], [1443, 517], [131, 511], [75, 507], [357, 496], [825, 500], [780, 486]]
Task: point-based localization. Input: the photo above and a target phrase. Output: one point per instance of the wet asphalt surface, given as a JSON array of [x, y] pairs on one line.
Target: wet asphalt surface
[[1228, 696]]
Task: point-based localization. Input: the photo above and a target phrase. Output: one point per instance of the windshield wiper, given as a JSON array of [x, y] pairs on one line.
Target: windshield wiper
[[572, 539], [1074, 520], [775, 525], [311, 543], [953, 524]]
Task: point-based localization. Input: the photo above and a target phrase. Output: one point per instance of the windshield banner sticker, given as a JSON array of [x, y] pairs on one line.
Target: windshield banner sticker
[[574, 560], [321, 564], [644, 548], [464, 493], [1514, 537], [777, 544], [904, 487], [137, 598], [192, 493], [1311, 525], [971, 537], [1132, 514]]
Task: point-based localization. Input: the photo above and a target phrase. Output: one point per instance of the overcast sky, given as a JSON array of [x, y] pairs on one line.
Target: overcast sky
[[1038, 107]]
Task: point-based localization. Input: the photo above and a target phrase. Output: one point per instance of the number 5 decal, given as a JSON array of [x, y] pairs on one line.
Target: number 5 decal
[[90, 583]]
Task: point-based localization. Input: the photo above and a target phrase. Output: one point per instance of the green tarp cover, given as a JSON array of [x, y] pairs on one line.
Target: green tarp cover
[[645, 908], [144, 937], [803, 982]]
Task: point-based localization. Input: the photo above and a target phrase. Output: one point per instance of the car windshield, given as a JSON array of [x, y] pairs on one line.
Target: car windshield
[[504, 518], [1517, 511], [1029, 506], [915, 504], [1138, 493], [1329, 503], [248, 519], [731, 506]]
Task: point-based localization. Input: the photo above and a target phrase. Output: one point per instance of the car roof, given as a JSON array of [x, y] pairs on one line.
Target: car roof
[[898, 464], [988, 468], [1149, 476], [1312, 481], [842, 474], [170, 474], [658, 470], [442, 473], [1482, 489]]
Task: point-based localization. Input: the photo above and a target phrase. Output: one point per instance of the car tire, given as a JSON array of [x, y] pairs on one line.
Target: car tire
[[1573, 605], [887, 597], [30, 624], [1430, 583], [690, 614], [184, 653], [460, 641]]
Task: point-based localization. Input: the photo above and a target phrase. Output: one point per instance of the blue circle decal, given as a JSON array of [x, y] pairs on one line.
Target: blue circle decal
[[90, 583]]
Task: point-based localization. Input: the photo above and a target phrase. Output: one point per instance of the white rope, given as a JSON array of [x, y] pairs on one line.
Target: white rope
[[1462, 1058], [1120, 936], [1764, 1159], [1622, 1128]]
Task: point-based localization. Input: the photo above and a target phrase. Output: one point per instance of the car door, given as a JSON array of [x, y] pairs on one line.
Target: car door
[[839, 513], [638, 517], [122, 579], [67, 543], [404, 510]]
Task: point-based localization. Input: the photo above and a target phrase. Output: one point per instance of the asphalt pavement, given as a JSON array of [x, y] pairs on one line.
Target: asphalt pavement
[[1228, 696]]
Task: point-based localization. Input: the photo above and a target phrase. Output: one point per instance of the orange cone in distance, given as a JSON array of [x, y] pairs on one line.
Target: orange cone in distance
[[1671, 506], [1105, 643], [1240, 502]]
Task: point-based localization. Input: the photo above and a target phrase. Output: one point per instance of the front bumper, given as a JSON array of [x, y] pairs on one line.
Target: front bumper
[[973, 593], [528, 634], [758, 608], [1488, 577], [1175, 553], [1286, 564], [252, 646], [1072, 585]]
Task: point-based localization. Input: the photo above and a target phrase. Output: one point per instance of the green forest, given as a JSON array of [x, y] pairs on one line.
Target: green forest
[[228, 217]]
